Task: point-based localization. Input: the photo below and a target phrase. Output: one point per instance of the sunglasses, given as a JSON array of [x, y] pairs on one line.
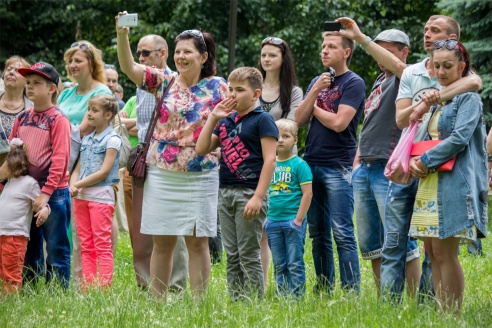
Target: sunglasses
[[81, 45], [196, 34], [450, 44], [146, 53], [272, 40]]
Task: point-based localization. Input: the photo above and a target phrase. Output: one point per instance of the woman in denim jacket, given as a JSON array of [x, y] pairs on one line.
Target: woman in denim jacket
[[451, 207], [91, 184]]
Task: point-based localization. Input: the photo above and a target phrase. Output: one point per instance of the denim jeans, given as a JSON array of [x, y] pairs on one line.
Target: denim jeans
[[398, 212], [332, 208], [55, 232], [370, 189], [286, 241]]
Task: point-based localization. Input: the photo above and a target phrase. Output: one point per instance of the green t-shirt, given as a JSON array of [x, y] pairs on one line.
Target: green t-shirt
[[131, 109], [75, 106], [285, 189]]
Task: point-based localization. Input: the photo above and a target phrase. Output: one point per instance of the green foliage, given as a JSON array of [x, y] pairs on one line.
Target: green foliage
[[475, 20], [125, 305]]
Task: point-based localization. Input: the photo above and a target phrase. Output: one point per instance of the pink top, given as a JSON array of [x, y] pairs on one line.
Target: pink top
[[183, 115], [47, 136]]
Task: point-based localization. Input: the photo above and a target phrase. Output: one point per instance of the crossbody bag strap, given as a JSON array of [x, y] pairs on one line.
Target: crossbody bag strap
[[155, 115]]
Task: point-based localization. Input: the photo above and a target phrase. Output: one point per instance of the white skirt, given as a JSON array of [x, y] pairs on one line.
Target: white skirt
[[174, 203]]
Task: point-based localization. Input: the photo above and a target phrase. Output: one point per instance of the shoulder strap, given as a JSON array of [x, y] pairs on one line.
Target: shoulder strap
[[155, 116]]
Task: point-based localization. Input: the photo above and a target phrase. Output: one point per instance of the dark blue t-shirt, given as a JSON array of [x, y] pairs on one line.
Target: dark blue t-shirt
[[325, 147], [241, 157]]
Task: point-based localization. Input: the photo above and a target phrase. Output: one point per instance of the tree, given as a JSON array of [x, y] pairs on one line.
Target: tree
[[476, 23]]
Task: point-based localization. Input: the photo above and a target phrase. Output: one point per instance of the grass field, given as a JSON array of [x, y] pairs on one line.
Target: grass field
[[127, 306]]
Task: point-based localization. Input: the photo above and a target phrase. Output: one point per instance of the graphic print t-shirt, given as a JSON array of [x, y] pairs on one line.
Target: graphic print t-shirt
[[241, 158]]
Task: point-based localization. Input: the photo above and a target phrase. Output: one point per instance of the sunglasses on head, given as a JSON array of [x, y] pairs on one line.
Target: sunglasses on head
[[81, 45], [272, 40], [145, 53], [196, 34], [450, 44]]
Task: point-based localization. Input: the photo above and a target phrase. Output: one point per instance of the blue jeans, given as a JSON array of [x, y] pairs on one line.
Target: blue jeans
[[286, 241], [332, 208], [398, 212], [55, 232], [370, 189]]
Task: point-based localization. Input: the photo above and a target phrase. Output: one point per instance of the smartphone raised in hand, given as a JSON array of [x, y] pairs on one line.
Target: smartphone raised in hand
[[330, 26], [128, 20]]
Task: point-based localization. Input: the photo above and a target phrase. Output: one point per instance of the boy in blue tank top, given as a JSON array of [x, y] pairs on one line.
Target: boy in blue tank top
[[290, 195], [247, 137]]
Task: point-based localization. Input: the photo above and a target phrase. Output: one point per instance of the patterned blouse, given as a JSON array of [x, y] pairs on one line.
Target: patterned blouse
[[182, 117]]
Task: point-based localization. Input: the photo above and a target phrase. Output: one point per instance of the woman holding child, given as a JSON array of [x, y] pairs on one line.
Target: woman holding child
[[451, 207], [181, 189], [280, 96]]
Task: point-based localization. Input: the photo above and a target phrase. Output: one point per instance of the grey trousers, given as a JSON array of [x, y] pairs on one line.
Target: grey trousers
[[241, 240], [142, 246]]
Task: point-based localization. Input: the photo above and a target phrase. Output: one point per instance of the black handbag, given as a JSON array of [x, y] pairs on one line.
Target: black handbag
[[138, 154]]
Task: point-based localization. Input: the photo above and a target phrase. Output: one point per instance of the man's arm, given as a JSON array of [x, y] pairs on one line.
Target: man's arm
[[337, 122], [306, 107], [381, 55]]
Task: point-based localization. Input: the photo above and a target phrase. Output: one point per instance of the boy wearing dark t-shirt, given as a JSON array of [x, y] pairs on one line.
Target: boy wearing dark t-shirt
[[247, 137]]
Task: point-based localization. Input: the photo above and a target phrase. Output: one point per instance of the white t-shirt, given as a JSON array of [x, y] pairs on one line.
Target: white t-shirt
[[16, 202]]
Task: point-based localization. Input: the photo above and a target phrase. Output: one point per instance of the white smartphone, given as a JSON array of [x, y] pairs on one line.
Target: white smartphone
[[128, 20]]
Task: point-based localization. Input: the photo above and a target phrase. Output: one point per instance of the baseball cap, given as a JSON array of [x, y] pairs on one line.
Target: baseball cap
[[393, 35], [43, 69]]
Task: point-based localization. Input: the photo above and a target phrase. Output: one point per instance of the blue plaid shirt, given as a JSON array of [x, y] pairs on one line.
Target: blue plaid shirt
[[145, 107]]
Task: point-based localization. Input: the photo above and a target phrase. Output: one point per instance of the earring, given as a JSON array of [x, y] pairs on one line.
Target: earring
[[202, 66]]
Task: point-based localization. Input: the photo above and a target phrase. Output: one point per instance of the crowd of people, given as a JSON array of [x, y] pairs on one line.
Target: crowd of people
[[222, 161]]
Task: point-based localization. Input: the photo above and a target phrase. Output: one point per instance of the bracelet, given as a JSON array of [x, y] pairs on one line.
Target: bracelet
[[365, 43]]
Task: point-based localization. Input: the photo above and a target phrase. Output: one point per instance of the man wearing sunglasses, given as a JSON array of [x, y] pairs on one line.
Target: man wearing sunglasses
[[335, 109], [152, 50]]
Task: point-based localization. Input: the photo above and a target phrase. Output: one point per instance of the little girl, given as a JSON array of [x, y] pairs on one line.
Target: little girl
[[16, 203], [91, 184]]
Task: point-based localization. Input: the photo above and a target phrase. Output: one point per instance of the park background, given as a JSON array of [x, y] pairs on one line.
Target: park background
[[43, 30]]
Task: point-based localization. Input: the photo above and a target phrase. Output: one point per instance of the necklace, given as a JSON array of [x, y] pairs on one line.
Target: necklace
[[13, 109], [271, 88]]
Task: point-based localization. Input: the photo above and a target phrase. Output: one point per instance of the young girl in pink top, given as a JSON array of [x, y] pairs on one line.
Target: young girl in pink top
[[16, 202]]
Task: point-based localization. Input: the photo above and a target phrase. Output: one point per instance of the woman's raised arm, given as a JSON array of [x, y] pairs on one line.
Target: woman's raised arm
[[133, 70]]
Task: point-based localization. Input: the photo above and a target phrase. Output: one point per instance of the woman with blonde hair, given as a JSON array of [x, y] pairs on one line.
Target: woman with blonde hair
[[85, 67]]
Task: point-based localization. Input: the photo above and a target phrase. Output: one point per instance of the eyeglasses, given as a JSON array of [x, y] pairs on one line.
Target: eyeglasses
[[450, 44], [195, 33], [145, 53], [81, 45]]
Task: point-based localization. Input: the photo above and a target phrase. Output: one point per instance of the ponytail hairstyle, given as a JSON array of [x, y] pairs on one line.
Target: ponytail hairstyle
[[17, 160], [107, 102]]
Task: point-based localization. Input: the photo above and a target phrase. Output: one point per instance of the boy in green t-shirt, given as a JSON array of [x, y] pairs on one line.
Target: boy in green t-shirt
[[290, 197]]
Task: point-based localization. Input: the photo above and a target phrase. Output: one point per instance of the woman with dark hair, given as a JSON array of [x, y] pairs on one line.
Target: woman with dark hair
[[280, 97], [451, 206], [13, 100], [181, 189], [280, 94]]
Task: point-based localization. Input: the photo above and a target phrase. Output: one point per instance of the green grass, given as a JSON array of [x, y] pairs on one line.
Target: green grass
[[127, 306]]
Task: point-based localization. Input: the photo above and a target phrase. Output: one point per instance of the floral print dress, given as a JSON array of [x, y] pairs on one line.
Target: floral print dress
[[182, 117]]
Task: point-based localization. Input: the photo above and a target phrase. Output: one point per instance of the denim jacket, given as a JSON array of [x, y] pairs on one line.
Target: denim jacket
[[462, 192], [92, 153]]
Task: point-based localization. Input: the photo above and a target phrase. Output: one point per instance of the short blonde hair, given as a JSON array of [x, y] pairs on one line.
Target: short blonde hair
[[287, 125], [249, 74], [93, 55]]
